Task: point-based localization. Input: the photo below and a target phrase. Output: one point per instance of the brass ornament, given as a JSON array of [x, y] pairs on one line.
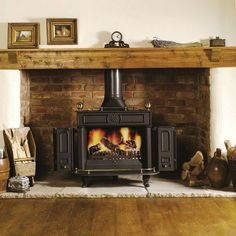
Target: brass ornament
[[80, 106], [148, 106]]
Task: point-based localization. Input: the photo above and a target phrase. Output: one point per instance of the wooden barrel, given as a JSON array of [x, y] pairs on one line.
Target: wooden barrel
[[4, 173]]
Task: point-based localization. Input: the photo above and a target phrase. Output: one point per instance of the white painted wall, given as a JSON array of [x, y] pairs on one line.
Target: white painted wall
[[139, 21], [223, 83], [9, 100], [223, 112]]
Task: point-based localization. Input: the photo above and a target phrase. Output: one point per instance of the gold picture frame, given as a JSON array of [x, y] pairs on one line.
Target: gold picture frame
[[61, 31], [23, 35]]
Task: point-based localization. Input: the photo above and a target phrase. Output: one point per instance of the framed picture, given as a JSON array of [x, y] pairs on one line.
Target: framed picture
[[62, 31], [23, 35]]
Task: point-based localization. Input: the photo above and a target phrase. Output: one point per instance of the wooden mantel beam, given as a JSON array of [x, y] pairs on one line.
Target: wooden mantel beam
[[103, 58]]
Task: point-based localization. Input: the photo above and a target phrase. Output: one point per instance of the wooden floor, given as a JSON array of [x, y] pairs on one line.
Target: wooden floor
[[108, 217]]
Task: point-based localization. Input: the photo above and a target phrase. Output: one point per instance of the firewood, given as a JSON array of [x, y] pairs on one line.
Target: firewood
[[115, 149], [130, 144], [231, 151], [94, 149], [108, 144], [25, 146]]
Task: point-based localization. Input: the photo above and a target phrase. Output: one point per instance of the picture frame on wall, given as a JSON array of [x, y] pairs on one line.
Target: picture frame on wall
[[61, 31], [23, 35]]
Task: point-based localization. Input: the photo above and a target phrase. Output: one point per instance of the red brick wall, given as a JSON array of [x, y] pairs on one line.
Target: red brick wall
[[179, 97]]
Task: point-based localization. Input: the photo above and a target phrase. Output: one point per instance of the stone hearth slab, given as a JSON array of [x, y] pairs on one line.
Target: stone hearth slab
[[57, 185]]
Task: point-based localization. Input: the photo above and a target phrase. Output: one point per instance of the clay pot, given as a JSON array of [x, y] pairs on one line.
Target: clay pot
[[4, 173], [218, 171]]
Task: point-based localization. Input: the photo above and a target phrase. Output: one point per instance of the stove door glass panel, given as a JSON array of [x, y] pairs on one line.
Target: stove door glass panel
[[117, 142]]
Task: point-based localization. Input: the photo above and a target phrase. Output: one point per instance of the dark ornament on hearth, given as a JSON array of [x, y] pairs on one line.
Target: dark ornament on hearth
[[218, 171], [19, 184], [116, 41]]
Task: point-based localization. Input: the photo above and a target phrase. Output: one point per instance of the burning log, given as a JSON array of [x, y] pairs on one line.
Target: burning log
[[131, 144], [94, 149], [108, 144], [112, 147]]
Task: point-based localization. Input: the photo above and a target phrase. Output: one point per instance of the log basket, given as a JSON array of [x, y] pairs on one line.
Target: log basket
[[21, 165]]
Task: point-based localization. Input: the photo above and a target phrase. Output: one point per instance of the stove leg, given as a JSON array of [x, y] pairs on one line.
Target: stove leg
[[146, 180], [85, 181], [115, 178], [31, 180]]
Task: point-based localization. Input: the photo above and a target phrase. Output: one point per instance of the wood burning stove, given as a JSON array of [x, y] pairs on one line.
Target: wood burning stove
[[114, 140], [114, 143]]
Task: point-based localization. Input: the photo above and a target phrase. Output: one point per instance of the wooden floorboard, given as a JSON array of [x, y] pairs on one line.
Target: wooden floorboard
[[82, 217], [118, 217]]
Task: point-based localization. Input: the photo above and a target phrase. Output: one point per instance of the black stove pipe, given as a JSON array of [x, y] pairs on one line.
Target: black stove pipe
[[113, 99]]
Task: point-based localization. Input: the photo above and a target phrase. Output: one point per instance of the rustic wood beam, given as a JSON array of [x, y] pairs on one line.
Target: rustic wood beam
[[102, 58]]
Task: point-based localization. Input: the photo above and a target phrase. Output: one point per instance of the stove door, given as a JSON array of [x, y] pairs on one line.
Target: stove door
[[63, 148], [167, 160]]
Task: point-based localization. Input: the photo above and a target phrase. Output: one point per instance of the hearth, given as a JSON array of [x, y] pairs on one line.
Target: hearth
[[114, 140]]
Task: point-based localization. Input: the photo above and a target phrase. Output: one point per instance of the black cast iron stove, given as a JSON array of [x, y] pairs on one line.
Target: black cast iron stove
[[114, 140]]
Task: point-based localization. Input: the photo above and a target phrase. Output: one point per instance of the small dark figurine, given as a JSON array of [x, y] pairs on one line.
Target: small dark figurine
[[217, 42]]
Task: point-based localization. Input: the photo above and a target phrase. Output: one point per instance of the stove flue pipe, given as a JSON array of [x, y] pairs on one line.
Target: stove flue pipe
[[113, 99]]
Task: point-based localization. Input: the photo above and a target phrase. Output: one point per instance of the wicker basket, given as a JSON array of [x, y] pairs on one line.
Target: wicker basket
[[25, 169], [21, 166]]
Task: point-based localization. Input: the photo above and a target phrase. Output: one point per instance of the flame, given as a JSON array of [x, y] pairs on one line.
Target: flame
[[95, 135], [125, 132], [114, 138], [138, 141]]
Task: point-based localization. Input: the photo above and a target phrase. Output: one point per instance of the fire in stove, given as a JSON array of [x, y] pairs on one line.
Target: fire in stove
[[121, 143]]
